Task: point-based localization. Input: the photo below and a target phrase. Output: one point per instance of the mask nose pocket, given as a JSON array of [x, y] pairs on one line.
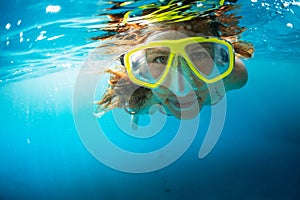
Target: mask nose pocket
[[179, 77]]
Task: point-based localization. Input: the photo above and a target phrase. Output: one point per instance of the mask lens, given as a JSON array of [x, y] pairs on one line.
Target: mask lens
[[209, 58], [148, 64]]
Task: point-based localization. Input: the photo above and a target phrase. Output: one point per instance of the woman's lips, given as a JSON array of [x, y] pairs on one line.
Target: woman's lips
[[182, 104]]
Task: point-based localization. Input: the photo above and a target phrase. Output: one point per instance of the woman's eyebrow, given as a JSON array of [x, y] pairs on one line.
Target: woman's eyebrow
[[196, 49], [157, 50], [200, 47]]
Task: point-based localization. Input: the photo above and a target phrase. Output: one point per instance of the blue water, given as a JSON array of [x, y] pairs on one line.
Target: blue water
[[43, 157]]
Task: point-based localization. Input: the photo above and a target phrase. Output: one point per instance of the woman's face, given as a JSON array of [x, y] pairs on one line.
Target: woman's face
[[182, 94]]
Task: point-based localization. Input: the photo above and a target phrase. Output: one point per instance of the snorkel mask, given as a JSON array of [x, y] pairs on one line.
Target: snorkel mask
[[210, 59]]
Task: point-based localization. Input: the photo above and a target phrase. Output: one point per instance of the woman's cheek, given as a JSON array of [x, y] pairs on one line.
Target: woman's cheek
[[237, 78]]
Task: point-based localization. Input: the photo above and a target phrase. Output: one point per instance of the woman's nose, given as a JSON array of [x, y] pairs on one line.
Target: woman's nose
[[179, 78]]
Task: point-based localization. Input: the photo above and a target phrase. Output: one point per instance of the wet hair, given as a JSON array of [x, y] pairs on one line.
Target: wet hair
[[121, 92]]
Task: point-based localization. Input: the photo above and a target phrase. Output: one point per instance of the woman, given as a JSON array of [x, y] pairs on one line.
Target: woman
[[180, 64]]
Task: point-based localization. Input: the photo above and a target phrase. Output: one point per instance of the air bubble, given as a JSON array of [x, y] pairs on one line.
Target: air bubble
[[53, 9], [290, 25], [8, 25]]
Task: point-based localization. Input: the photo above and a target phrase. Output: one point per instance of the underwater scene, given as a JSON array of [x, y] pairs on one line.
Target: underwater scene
[[57, 142]]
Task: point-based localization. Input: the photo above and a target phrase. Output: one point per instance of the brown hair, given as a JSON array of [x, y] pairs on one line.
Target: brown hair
[[122, 93]]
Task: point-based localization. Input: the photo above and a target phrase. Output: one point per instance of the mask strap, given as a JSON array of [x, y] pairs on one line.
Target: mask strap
[[122, 59]]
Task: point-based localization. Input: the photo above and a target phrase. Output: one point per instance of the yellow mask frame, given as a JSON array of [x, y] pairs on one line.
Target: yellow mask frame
[[177, 47]]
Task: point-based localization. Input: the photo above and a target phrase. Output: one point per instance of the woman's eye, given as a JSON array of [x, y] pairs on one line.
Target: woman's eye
[[161, 60]]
